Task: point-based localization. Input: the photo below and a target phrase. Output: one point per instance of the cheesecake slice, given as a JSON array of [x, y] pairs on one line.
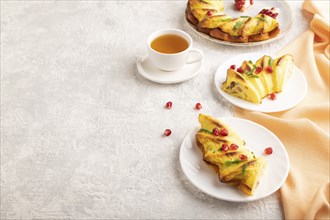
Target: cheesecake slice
[[240, 86], [227, 154], [254, 81]]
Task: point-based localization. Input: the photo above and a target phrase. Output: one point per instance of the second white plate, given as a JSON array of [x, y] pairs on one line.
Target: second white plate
[[257, 138], [293, 92]]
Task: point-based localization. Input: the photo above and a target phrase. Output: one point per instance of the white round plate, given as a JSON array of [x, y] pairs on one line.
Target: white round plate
[[152, 73], [285, 20], [257, 138], [293, 92]]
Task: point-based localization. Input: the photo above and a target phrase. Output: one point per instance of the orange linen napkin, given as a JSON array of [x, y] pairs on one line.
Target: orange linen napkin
[[304, 129]]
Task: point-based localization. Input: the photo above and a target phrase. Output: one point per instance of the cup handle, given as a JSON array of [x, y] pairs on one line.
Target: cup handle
[[200, 53]]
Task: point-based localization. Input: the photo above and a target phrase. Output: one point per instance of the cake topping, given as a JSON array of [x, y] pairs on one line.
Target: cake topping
[[224, 147], [242, 157], [233, 147], [223, 132], [269, 69], [258, 69], [242, 5], [271, 12], [240, 70], [216, 132]]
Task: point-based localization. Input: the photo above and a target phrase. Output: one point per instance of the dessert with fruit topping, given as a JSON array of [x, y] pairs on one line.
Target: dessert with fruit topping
[[208, 17], [225, 151], [254, 81]]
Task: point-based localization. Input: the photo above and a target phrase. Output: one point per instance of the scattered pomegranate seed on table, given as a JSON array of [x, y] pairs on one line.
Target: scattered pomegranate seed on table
[[233, 67], [269, 69], [167, 132], [272, 96], [198, 106], [209, 13], [268, 150], [168, 105], [242, 157], [223, 132], [233, 147], [224, 147], [216, 132]]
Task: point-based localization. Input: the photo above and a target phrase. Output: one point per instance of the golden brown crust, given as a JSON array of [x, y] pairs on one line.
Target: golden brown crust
[[190, 17], [213, 166], [219, 34]]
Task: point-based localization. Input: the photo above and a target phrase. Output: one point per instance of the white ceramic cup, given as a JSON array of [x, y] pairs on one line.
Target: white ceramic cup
[[173, 61]]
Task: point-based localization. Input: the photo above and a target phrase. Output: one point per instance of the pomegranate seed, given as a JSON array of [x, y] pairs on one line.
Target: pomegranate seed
[[216, 132], [268, 150], [272, 96], [258, 70], [242, 157], [269, 12], [251, 2], [233, 67], [168, 105], [167, 132], [269, 69], [223, 132], [233, 147], [198, 106], [240, 70], [238, 4], [209, 13], [224, 147]]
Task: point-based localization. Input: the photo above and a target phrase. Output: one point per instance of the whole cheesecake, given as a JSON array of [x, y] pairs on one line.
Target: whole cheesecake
[[208, 17]]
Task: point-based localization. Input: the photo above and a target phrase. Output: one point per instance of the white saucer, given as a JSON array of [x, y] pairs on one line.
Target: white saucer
[[152, 73]]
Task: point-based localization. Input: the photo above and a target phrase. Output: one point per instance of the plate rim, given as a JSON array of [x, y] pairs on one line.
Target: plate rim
[[146, 75], [224, 95], [284, 178], [248, 44]]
